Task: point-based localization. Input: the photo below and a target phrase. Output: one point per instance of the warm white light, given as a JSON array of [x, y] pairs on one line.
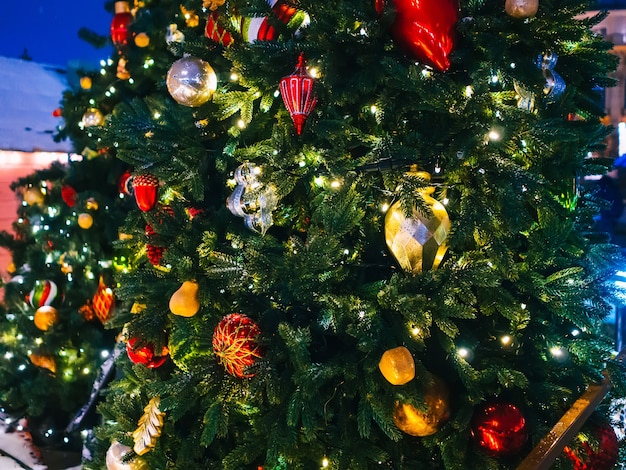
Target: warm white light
[[575, 332], [156, 115], [335, 184], [234, 77], [313, 72], [325, 462], [506, 340], [86, 371], [319, 181], [464, 353], [384, 207], [469, 91], [494, 135], [415, 331], [241, 124], [523, 306], [558, 352], [373, 109]]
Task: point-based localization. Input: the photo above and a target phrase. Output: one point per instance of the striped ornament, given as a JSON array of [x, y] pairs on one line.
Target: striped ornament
[[297, 92], [44, 293]]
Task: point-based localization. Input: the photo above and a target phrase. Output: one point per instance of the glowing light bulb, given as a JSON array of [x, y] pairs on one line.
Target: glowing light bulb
[[506, 340]]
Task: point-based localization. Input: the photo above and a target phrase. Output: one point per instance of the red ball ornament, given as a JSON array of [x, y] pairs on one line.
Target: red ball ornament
[[235, 345], [599, 451], [120, 23], [69, 195], [57, 112], [297, 92], [143, 353], [145, 188], [425, 30], [499, 429], [125, 183]]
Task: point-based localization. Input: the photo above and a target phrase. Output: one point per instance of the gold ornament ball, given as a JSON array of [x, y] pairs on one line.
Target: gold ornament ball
[[420, 423], [45, 317], [191, 81], [142, 40], [397, 365], [85, 221], [33, 195], [85, 83], [115, 458], [92, 117], [521, 8]]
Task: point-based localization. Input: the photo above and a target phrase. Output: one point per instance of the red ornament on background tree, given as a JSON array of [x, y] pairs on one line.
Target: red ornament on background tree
[[120, 23], [424, 30], [235, 344], [103, 301], [143, 353], [598, 451], [297, 92], [499, 429], [69, 195], [145, 188]]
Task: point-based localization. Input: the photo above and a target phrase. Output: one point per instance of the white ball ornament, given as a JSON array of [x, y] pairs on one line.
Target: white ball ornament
[[115, 458], [191, 81]]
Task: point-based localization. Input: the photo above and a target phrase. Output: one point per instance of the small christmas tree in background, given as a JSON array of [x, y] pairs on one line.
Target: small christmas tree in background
[[60, 295], [361, 237]]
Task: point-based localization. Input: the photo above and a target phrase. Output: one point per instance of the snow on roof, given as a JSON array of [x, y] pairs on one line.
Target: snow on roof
[[29, 93]]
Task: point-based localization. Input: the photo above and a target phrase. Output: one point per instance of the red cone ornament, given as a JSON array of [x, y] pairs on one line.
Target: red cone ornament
[[146, 354], [297, 92], [145, 188], [69, 195], [425, 30], [499, 429], [234, 343]]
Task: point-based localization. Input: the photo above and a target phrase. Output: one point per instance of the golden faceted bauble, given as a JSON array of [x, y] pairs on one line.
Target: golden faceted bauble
[[142, 40], [397, 365], [191, 81], [184, 302], [521, 8], [420, 423], [92, 117], [45, 317], [85, 83], [33, 195], [44, 361], [85, 221], [115, 458], [418, 242]]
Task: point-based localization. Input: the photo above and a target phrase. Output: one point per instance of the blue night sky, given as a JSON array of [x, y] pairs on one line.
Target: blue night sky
[[49, 30]]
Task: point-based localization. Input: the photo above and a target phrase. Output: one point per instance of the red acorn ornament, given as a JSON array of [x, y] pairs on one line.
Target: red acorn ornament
[[235, 345], [297, 92], [145, 187], [144, 353]]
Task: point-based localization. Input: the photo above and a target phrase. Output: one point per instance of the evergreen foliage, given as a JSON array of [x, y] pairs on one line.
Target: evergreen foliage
[[525, 261]]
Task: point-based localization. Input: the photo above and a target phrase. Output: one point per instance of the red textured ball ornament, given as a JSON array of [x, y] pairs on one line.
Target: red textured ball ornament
[[235, 345], [297, 92], [146, 354], [145, 188], [425, 30], [499, 429], [597, 452]]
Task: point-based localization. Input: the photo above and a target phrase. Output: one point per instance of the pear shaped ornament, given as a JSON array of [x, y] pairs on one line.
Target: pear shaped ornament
[[184, 302], [417, 242]]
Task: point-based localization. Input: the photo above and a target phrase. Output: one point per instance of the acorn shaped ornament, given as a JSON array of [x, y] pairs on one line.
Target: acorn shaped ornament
[[145, 188]]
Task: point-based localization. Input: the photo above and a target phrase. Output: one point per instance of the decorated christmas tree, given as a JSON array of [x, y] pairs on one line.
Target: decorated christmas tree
[[362, 237], [60, 295]]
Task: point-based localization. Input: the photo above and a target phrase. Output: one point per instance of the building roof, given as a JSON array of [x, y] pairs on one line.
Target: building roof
[[29, 93]]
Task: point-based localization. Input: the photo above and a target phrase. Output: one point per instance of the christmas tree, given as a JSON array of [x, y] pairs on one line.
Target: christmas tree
[[58, 352], [362, 237], [60, 295]]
